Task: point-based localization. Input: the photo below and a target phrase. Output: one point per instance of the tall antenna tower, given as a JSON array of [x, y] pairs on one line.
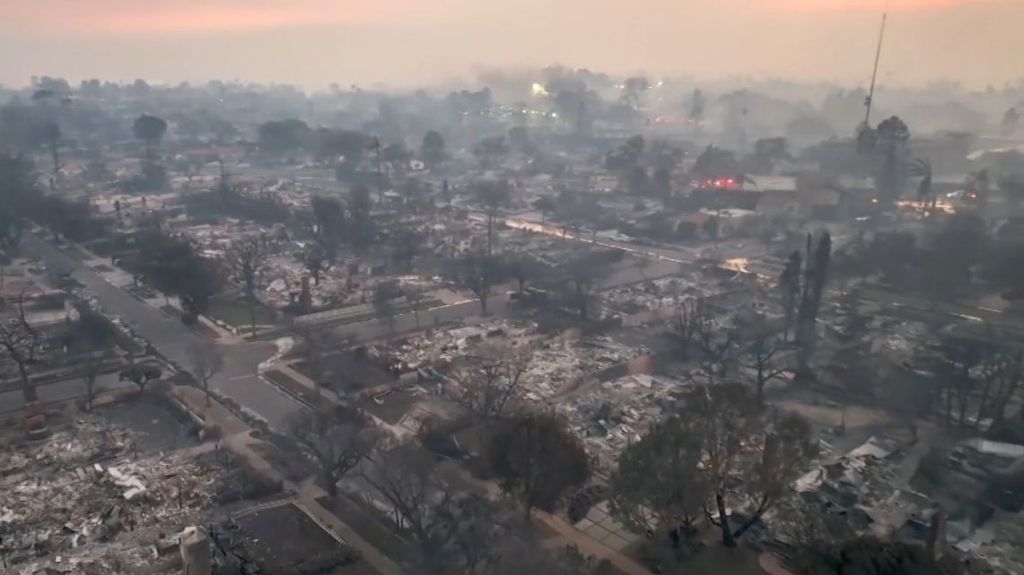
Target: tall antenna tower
[[874, 73]]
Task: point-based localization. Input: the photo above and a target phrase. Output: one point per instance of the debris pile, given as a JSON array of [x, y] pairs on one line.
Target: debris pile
[[997, 542], [559, 365], [656, 294], [90, 441], [443, 347], [86, 488], [866, 484], [612, 414]]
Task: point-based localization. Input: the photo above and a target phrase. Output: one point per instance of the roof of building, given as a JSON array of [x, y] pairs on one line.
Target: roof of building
[[770, 183], [728, 213]]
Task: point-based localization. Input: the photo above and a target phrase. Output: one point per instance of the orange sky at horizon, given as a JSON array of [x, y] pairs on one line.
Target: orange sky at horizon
[[132, 17], [876, 5], [413, 42], [137, 17]]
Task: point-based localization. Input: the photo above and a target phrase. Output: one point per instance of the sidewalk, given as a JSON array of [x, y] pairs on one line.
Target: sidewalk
[[308, 494], [238, 438], [194, 400], [118, 277], [568, 533], [589, 546]]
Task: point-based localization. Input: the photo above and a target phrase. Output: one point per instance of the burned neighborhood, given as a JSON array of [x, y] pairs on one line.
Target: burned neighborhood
[[548, 320]]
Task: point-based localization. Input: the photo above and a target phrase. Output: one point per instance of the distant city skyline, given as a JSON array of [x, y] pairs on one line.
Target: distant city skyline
[[313, 43]]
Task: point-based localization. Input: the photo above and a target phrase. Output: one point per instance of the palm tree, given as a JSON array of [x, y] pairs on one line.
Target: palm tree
[[921, 168]]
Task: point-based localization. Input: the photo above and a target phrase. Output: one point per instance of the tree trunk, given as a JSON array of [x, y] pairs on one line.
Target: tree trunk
[[55, 153], [28, 389], [88, 398], [962, 398], [750, 522], [949, 405], [760, 383], [983, 407], [1004, 400], [805, 340], [490, 233], [582, 301], [330, 484], [727, 538], [252, 312], [483, 304]]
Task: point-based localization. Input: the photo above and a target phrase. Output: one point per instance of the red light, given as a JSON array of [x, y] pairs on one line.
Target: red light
[[974, 196]]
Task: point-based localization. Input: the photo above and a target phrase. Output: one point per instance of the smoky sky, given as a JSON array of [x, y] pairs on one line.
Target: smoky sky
[[410, 42]]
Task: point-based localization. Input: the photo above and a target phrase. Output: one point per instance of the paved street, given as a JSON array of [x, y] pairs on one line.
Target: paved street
[[427, 318], [238, 379]]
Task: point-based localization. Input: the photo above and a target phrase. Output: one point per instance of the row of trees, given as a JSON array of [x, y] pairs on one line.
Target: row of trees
[[332, 225], [347, 148], [335, 223], [723, 450], [724, 457], [40, 126], [757, 345], [728, 459], [803, 288], [173, 266], [945, 261], [977, 381], [22, 201], [481, 274], [453, 530]]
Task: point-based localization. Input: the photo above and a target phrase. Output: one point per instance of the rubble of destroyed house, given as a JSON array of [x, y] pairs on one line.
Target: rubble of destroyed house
[[556, 365], [87, 499], [610, 415]]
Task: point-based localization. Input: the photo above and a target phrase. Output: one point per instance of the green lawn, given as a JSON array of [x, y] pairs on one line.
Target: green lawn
[[308, 395], [236, 313]]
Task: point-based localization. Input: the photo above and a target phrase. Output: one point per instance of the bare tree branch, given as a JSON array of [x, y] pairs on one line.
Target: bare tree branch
[[338, 439], [247, 257], [206, 362], [492, 378]]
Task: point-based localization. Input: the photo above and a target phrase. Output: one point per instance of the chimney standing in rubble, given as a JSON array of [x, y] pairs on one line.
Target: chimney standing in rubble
[[195, 552]]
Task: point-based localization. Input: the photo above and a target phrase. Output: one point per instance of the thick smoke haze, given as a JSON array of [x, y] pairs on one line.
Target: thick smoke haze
[[313, 43]]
